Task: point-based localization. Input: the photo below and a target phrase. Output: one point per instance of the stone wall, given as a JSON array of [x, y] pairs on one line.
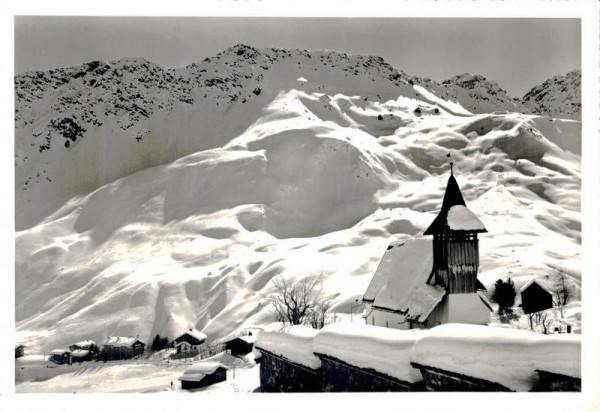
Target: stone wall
[[339, 376], [278, 374], [439, 380], [554, 382]]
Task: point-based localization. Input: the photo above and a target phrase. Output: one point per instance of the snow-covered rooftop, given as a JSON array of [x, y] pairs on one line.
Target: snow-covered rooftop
[[544, 285], [509, 357], [83, 343], [80, 353], [294, 343], [400, 281], [200, 370], [59, 351], [120, 341], [371, 347], [195, 333], [461, 218]]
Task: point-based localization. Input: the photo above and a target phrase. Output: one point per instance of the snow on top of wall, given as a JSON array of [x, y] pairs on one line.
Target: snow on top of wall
[[371, 347], [294, 343], [505, 356], [400, 282], [461, 218]]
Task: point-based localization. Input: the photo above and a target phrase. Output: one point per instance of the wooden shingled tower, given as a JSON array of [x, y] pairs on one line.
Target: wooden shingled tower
[[455, 243]]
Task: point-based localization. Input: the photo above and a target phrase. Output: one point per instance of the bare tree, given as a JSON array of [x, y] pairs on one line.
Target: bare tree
[[539, 319], [300, 302], [563, 291]]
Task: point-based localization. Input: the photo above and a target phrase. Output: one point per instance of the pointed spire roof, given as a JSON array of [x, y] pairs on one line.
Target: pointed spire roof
[[454, 214]]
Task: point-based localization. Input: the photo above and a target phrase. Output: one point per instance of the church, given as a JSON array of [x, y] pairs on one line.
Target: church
[[425, 282]]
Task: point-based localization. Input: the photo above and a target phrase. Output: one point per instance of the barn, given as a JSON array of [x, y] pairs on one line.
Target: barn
[[535, 297], [61, 356], [424, 282], [242, 345], [203, 374], [190, 341], [119, 347]]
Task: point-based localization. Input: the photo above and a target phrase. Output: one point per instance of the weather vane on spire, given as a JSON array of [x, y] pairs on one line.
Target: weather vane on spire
[[451, 164]]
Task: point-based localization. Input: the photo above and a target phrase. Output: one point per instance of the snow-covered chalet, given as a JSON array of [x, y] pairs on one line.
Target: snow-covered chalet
[[424, 282]]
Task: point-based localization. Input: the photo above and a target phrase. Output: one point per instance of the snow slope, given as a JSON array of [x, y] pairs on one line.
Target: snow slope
[[312, 176]]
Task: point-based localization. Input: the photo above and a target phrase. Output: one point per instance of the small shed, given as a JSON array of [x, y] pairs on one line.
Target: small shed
[[61, 356], [203, 374], [189, 341], [242, 345], [19, 351], [535, 297]]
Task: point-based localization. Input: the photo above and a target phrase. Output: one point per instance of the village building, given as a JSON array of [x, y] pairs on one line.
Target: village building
[[242, 345], [61, 356], [19, 351], [535, 297], [119, 347], [83, 351], [203, 374], [190, 341], [424, 282]]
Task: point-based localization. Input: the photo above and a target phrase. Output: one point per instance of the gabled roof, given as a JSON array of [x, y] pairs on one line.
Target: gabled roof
[[538, 282], [195, 333], [454, 214], [400, 281]]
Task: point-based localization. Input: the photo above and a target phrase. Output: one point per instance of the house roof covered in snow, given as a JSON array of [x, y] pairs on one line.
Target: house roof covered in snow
[[540, 283], [121, 341], [83, 344], [59, 352], [400, 281], [199, 370], [195, 333], [454, 214]]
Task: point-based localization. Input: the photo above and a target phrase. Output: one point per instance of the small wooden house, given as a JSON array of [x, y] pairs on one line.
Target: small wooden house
[[242, 345], [61, 356], [422, 283], [203, 374], [83, 351], [19, 351], [119, 347], [189, 341], [535, 297]]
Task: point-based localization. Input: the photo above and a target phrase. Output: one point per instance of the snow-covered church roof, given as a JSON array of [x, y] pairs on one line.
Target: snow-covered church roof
[[400, 281], [454, 214]]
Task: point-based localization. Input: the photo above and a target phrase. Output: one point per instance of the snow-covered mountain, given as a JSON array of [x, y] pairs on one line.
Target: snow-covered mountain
[[559, 97], [480, 95], [151, 200]]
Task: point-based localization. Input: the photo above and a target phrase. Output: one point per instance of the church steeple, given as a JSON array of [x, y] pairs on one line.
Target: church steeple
[[455, 243]]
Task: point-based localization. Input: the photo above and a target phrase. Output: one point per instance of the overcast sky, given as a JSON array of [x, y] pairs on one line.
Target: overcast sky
[[517, 53]]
